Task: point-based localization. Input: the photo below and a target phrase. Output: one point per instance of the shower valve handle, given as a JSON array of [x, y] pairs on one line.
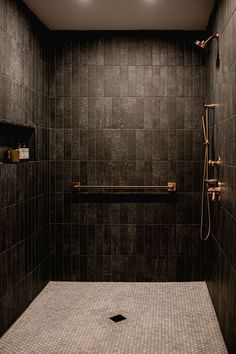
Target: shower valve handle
[[215, 192], [215, 163]]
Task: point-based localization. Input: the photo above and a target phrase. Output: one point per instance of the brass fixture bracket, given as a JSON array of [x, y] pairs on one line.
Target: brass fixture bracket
[[170, 187]]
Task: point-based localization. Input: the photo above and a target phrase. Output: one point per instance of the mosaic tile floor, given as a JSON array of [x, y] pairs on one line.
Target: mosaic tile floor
[[165, 318]]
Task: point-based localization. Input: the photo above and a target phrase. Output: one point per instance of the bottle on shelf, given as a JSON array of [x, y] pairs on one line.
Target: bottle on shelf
[[21, 153], [25, 152], [13, 155]]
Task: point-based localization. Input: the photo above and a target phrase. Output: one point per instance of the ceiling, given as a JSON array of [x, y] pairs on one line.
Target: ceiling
[[122, 14]]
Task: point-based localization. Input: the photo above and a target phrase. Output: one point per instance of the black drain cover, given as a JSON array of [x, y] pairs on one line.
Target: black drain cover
[[118, 318]]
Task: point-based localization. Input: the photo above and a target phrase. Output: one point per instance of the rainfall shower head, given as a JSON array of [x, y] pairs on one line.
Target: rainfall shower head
[[202, 44]]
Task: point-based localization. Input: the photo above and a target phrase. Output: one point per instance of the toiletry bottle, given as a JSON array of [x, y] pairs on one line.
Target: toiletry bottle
[[21, 152], [13, 155], [26, 152]]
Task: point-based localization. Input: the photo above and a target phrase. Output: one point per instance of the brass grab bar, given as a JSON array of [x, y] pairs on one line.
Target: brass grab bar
[[171, 187]]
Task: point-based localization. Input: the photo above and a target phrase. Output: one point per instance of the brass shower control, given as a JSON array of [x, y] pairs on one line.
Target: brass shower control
[[215, 163], [215, 192]]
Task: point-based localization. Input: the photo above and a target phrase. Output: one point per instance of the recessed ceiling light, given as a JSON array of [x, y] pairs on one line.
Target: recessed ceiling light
[[84, 1]]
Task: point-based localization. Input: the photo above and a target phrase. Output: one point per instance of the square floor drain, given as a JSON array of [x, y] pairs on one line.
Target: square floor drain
[[118, 318]]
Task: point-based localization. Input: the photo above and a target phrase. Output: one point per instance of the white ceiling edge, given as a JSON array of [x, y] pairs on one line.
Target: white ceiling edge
[[123, 14]]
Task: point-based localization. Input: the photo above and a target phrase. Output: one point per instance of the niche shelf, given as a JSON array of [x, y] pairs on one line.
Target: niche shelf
[[13, 133]]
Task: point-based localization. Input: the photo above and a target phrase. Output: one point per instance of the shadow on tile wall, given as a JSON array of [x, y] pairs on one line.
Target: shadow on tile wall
[[126, 109], [24, 187], [221, 249]]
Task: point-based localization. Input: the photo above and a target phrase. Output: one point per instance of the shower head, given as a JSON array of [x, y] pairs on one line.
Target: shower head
[[202, 44]]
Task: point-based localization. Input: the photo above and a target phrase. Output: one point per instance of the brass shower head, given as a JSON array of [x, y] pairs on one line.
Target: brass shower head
[[202, 44]]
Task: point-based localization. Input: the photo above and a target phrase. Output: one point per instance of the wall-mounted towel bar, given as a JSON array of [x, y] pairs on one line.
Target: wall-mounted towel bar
[[170, 187]]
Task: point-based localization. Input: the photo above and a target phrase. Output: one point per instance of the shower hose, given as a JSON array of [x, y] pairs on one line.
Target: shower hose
[[205, 126]]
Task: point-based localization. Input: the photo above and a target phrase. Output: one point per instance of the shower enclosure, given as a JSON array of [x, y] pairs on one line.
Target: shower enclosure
[[122, 157]]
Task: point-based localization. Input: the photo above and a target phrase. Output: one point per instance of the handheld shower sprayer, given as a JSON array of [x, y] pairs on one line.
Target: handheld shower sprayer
[[206, 182]]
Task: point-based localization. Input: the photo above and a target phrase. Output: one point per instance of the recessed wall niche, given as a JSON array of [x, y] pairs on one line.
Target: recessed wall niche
[[12, 134]]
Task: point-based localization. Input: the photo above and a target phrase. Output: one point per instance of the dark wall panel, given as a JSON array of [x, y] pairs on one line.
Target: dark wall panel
[[221, 249], [24, 197], [126, 109]]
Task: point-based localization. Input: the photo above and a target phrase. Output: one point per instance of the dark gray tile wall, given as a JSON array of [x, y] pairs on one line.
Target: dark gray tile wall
[[24, 197], [126, 109], [221, 248]]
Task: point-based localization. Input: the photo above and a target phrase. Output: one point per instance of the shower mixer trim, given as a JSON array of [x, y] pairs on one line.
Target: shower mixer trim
[[215, 192]]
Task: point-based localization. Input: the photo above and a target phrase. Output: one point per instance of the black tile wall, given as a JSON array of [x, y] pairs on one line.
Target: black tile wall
[[24, 191], [126, 109], [221, 249]]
